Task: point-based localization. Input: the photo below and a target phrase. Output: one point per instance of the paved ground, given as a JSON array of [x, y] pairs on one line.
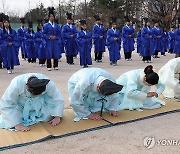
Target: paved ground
[[119, 139]]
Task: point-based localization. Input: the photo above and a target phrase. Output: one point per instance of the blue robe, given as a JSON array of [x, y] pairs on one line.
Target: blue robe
[[139, 42], [21, 34], [171, 38], [177, 42], [54, 47], [30, 48], [10, 54], [84, 46], [157, 41], [1, 42], [83, 94], [134, 92], [17, 105], [147, 42], [99, 44], [114, 47], [164, 42], [70, 43], [40, 45], [128, 42]]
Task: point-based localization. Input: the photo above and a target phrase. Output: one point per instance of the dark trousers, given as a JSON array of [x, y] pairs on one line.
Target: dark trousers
[[98, 56], [170, 50], [147, 58], [10, 68], [32, 60], [24, 55], [156, 52], [127, 55], [70, 59], [55, 63], [42, 61], [1, 64]]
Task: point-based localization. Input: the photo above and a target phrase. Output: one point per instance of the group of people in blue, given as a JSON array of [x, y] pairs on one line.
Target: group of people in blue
[[50, 41]]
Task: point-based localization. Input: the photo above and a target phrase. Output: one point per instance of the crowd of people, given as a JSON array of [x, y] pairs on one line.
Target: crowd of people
[[50, 41]]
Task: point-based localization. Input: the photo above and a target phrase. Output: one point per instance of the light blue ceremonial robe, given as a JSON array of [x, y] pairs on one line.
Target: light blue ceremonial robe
[[157, 41], [128, 42], [134, 93], [177, 42], [114, 47], [147, 42], [10, 54], [139, 42], [70, 43], [54, 47], [171, 38], [99, 44], [18, 106], [83, 94]]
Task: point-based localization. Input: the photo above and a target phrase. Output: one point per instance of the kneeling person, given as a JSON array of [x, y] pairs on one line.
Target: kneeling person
[[92, 90], [29, 99]]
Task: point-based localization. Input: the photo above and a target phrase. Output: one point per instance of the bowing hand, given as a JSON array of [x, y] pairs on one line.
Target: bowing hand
[[21, 127], [94, 116], [55, 121], [113, 113]]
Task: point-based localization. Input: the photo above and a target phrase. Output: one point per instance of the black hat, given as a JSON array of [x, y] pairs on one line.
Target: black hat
[[39, 21], [82, 22], [178, 20], [146, 20], [155, 21], [97, 17], [22, 20], [107, 87], [127, 18], [69, 16], [51, 10], [6, 18], [37, 86], [113, 20], [46, 20], [30, 24], [1, 17]]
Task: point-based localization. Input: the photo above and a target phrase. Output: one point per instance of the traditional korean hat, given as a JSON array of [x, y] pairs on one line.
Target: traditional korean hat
[[97, 18], [126, 18], [51, 10], [30, 24], [1, 17], [69, 16], [22, 20], [82, 22], [6, 18]]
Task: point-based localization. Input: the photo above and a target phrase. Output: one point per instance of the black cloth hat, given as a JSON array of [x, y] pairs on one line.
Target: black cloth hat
[[69, 16], [46, 20], [107, 87], [6, 18], [152, 78], [39, 21], [22, 20], [146, 20], [97, 17], [155, 21], [30, 24], [127, 18], [51, 10], [82, 22], [113, 20], [37, 86], [1, 17]]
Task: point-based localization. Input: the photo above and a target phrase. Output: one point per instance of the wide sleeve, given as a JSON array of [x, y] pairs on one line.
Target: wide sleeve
[[113, 105], [95, 33], [160, 88], [54, 100], [144, 33], [110, 37], [11, 114]]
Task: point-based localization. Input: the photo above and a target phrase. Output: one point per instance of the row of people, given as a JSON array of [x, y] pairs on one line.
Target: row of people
[[33, 97]]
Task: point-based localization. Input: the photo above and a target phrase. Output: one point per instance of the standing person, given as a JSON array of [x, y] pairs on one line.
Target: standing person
[[30, 48], [84, 40], [9, 46], [171, 38], [139, 42], [39, 43], [164, 42], [128, 39], [69, 33], [157, 36], [1, 41], [147, 41], [21, 34], [114, 42], [177, 41], [99, 39], [52, 35], [92, 90], [29, 99]]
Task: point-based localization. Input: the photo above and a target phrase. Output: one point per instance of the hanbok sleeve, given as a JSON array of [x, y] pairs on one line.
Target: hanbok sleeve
[[160, 88], [113, 106]]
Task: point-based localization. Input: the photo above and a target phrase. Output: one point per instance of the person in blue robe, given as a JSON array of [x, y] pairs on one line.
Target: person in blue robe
[[21, 34], [171, 38], [139, 42], [147, 41], [29, 39], [40, 43], [52, 35], [128, 39], [177, 41], [157, 36], [69, 33], [99, 39], [164, 42], [9, 46], [1, 41], [92, 90], [29, 99], [137, 93], [114, 42], [84, 41]]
